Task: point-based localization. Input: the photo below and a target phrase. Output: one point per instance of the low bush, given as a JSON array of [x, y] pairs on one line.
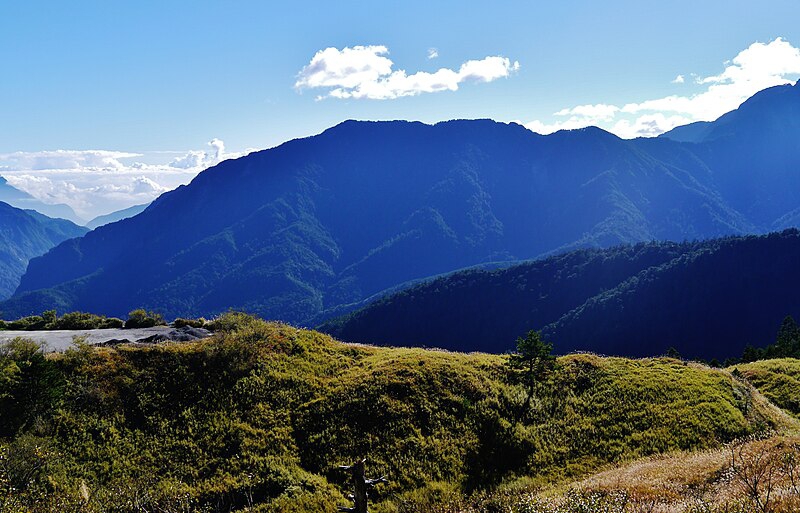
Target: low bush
[[70, 321], [30, 323], [141, 318], [192, 323]]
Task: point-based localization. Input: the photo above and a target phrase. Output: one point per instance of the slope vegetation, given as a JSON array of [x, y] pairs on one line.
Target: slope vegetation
[[261, 415], [778, 380]]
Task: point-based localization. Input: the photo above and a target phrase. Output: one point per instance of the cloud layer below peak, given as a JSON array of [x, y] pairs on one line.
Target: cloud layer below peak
[[95, 182], [366, 72]]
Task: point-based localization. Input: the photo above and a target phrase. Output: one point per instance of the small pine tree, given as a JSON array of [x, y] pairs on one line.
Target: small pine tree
[[532, 361], [674, 353], [752, 354]]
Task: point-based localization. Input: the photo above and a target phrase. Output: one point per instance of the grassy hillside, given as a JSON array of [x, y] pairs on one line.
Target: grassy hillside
[[263, 413], [778, 380]]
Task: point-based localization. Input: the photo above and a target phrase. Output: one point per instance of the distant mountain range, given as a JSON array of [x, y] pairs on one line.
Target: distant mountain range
[[304, 231], [113, 217], [707, 299], [23, 200], [25, 234]]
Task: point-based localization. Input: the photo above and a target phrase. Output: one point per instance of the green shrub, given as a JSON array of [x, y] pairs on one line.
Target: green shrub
[[230, 321], [69, 321], [30, 323], [77, 321], [194, 323], [111, 323], [141, 318], [30, 385]]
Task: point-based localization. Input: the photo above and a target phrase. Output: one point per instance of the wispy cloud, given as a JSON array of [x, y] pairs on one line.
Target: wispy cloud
[[757, 67], [95, 182], [433, 53], [366, 72]]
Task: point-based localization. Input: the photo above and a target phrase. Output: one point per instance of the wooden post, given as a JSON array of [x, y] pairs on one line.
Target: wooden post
[[361, 486]]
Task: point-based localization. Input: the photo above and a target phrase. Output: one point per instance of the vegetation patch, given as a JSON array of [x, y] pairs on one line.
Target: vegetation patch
[[778, 380], [261, 415]]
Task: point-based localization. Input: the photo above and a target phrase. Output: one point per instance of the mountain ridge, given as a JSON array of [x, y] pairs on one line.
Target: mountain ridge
[[25, 234], [118, 215], [300, 229]]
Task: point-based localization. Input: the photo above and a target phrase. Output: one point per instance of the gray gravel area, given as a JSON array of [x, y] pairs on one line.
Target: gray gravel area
[[60, 340]]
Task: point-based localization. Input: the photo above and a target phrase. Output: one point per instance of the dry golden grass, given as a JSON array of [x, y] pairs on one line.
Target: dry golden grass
[[753, 475]]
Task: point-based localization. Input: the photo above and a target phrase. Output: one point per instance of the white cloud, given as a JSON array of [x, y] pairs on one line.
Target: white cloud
[[757, 67], [577, 117], [648, 125], [65, 159], [203, 159], [367, 72], [95, 182], [433, 53]]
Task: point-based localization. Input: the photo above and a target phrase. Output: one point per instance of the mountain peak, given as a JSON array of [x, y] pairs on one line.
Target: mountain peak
[[767, 113]]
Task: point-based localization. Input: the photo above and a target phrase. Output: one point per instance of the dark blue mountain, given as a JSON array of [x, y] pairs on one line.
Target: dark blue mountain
[[300, 231], [755, 156], [25, 234], [707, 299], [316, 223]]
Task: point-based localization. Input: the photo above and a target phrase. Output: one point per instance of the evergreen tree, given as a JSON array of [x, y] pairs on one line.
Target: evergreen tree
[[787, 342], [674, 353], [532, 361], [752, 354]]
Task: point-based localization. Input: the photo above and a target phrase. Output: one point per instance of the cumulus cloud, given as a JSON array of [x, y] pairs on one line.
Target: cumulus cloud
[[201, 158], [95, 182], [757, 67], [366, 72]]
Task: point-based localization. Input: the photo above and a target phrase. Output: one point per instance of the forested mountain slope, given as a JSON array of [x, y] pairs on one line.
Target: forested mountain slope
[[298, 231], [706, 299]]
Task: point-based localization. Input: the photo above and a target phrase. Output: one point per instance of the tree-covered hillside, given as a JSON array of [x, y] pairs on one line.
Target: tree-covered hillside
[[707, 299], [261, 416]]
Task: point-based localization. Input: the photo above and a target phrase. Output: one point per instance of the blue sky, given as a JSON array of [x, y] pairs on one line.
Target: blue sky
[[150, 83]]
